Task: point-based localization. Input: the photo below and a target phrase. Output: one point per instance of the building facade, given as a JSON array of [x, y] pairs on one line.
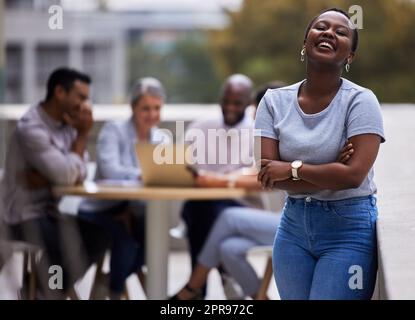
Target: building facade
[[95, 41]]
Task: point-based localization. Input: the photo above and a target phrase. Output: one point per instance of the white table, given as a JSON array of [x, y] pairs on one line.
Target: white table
[[157, 219]]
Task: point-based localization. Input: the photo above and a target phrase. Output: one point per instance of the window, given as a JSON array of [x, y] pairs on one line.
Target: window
[[48, 58], [14, 74], [97, 64]]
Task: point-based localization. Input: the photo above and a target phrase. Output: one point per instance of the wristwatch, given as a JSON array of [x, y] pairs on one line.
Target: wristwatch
[[295, 166]]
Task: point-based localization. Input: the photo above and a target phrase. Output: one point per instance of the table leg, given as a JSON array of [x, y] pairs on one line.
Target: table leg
[[157, 249]]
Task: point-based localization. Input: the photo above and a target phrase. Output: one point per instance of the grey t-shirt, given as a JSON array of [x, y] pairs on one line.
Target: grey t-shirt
[[318, 138]]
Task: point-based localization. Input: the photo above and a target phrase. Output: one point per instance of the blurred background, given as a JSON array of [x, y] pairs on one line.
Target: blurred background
[[192, 46]]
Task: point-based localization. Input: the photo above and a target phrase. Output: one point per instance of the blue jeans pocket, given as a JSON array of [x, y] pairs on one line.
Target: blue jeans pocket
[[353, 214]]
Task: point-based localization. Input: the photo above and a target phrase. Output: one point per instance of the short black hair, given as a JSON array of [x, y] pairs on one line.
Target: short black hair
[[260, 92], [64, 77], [355, 43]]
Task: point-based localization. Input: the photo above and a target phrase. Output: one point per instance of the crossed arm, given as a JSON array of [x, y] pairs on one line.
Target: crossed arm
[[249, 179], [275, 173]]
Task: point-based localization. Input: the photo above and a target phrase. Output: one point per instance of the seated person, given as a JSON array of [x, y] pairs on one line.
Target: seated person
[[235, 232], [48, 148], [199, 216], [116, 160]]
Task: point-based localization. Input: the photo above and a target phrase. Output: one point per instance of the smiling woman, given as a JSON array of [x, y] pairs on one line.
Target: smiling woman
[[329, 220]]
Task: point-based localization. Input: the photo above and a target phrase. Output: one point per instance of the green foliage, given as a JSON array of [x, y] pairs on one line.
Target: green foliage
[[264, 41], [185, 68]]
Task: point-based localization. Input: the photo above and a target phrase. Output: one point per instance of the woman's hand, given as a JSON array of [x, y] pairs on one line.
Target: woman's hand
[[273, 171], [346, 153], [211, 181]]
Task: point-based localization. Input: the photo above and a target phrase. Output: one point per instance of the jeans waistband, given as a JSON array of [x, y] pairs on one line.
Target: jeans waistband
[[334, 203]]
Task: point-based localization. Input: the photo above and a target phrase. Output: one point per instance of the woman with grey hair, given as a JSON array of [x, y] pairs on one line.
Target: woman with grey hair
[[116, 160]]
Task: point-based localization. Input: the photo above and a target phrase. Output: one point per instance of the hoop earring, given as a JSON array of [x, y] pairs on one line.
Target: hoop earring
[[347, 67], [303, 55]]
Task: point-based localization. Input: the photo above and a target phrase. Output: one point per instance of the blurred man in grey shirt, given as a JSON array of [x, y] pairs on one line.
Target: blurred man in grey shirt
[[48, 148], [227, 149]]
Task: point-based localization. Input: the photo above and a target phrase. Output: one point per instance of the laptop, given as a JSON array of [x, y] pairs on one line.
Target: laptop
[[164, 165]]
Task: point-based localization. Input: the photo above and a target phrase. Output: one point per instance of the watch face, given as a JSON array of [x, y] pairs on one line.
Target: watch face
[[297, 164]]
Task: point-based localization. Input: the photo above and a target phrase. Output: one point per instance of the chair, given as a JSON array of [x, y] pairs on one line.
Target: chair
[[268, 272], [29, 278], [7, 249], [179, 232], [31, 254], [273, 202]]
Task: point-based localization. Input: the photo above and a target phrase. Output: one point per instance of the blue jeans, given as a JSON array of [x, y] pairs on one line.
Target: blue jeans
[[326, 249]]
